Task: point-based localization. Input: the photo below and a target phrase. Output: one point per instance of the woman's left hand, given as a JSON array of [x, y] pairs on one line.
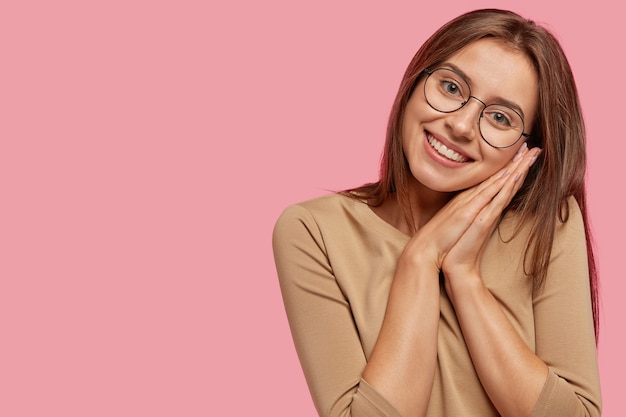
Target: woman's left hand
[[463, 259]]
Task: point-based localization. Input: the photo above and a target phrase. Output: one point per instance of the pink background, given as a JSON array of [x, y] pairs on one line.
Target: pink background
[[147, 147]]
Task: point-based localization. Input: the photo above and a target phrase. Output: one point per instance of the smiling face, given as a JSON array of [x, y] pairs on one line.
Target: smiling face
[[445, 151]]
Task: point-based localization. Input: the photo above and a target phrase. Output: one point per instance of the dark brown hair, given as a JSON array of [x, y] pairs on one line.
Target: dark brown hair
[[558, 129]]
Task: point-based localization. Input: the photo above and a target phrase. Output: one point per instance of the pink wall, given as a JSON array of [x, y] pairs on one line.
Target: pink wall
[[147, 149]]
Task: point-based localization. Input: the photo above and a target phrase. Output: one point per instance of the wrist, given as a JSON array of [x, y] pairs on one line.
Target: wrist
[[419, 262], [421, 255], [468, 284]]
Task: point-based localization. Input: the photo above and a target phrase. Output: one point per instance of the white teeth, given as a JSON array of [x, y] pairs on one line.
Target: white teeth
[[445, 151]]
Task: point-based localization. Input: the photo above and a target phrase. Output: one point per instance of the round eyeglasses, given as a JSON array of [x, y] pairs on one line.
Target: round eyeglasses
[[447, 91]]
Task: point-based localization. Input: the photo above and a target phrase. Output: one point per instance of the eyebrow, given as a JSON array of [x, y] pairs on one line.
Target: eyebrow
[[498, 99]]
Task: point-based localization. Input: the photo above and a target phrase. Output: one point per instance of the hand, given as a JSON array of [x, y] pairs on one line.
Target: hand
[[463, 258], [469, 218]]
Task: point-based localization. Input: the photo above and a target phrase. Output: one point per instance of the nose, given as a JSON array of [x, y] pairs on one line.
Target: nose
[[464, 122]]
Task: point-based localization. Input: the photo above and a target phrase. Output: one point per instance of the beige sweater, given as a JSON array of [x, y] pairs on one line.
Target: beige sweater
[[336, 259]]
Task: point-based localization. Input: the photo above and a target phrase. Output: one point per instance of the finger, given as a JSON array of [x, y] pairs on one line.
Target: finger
[[514, 181], [481, 213], [511, 166], [516, 169], [495, 193], [470, 207], [524, 166]]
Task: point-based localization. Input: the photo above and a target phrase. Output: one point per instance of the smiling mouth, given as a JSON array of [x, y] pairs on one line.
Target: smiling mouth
[[443, 150]]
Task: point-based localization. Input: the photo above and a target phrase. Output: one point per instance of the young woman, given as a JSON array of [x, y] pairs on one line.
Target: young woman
[[463, 282]]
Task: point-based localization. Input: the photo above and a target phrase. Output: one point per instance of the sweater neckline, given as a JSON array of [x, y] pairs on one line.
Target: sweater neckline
[[373, 221]]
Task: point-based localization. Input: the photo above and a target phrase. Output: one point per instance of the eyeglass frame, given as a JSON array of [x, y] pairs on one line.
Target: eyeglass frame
[[428, 73]]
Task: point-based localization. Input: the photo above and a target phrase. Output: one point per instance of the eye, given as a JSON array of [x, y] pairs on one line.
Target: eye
[[445, 84], [499, 118], [503, 117], [450, 87]]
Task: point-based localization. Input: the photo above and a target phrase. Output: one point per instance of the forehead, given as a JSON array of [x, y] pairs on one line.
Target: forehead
[[495, 69]]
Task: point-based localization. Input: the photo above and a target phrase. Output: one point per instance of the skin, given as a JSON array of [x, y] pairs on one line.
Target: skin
[[457, 206]]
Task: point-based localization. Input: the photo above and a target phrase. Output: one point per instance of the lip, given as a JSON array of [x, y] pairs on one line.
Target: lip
[[440, 159]]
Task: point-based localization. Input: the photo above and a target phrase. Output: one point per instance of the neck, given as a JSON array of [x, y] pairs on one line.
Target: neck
[[424, 203]]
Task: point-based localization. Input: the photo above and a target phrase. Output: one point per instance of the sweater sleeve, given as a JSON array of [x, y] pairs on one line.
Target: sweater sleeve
[[564, 327], [323, 329]]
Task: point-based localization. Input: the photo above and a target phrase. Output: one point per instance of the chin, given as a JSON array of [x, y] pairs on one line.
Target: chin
[[443, 180], [440, 186]]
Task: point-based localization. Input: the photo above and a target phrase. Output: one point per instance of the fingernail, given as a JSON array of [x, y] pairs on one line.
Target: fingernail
[[505, 173], [520, 151], [534, 158]]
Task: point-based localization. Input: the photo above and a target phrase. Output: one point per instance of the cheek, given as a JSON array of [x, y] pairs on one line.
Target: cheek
[[496, 159], [416, 113]]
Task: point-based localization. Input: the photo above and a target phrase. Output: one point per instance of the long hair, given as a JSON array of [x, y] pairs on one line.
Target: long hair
[[559, 130]]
